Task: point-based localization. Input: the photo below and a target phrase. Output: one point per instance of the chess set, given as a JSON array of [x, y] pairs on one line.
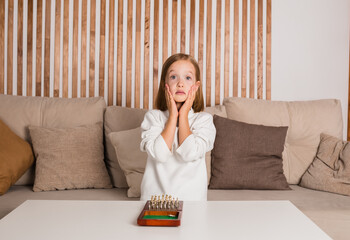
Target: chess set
[[161, 211]]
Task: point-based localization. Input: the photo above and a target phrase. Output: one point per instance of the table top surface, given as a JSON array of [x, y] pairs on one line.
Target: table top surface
[[61, 219]]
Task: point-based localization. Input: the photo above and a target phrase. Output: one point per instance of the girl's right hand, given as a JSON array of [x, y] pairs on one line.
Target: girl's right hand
[[170, 102]]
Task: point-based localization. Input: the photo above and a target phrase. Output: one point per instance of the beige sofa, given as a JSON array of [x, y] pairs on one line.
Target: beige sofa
[[306, 120]]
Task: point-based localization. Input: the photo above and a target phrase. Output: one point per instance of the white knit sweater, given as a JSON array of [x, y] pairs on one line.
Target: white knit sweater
[[182, 171]]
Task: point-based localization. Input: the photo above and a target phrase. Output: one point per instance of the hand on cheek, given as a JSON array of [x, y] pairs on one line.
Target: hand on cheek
[[170, 102], [186, 107]]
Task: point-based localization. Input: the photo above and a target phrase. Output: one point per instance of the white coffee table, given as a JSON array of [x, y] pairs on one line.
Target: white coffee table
[[48, 219]]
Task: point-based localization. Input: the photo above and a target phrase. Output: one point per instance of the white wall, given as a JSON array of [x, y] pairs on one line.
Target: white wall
[[310, 51]]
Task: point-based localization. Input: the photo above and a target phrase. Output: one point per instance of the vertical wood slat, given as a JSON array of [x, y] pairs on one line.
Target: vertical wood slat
[[38, 49], [29, 48], [165, 30], [268, 50], [2, 45], [244, 50], [57, 48], [227, 47], [75, 49], [129, 55], [183, 26], [150, 86], [218, 53], [174, 26], [208, 54], [65, 48], [111, 53], [120, 50], [102, 48], [201, 38], [10, 47], [252, 50], [92, 49], [47, 49], [155, 50], [235, 48], [260, 49], [137, 53], [84, 49], [146, 63], [192, 27], [20, 48], [348, 138]]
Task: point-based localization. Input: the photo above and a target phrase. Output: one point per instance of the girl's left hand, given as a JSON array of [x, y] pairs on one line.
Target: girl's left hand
[[186, 107]]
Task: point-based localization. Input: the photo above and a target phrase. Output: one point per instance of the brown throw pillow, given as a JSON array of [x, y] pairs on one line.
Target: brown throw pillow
[[330, 170], [16, 157], [70, 158], [247, 156]]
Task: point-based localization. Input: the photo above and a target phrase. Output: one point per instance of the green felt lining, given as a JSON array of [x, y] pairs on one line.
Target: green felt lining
[[159, 217]]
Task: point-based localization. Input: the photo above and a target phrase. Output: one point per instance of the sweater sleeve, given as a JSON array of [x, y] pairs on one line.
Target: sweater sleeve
[[152, 141], [200, 141]]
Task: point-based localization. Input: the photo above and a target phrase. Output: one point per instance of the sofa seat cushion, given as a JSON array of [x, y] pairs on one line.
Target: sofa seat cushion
[[306, 120], [331, 212], [19, 112]]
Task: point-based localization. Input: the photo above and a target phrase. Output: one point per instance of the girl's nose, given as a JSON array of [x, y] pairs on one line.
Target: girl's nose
[[180, 83]]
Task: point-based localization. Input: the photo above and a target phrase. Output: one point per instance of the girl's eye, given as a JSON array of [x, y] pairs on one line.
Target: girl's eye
[[172, 77], [188, 78]]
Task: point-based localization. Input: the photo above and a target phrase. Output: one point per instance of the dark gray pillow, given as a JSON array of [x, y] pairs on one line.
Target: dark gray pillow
[[247, 156]]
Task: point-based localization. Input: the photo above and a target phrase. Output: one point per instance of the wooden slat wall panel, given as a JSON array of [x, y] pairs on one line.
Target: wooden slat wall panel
[[65, 48], [20, 47], [111, 53], [2, 45], [129, 55], [75, 50], [47, 49], [84, 49], [120, 50], [218, 26], [208, 55], [29, 48], [57, 49], [218, 52], [137, 53], [155, 50], [10, 48], [227, 46], [146, 84], [260, 49]]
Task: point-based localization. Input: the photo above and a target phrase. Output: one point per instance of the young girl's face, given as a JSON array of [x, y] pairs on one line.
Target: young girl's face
[[180, 77]]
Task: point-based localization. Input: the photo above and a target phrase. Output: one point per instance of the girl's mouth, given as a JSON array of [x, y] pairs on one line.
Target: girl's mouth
[[180, 92]]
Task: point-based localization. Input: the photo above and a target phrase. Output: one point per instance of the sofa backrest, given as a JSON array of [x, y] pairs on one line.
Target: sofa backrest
[[306, 120], [19, 112]]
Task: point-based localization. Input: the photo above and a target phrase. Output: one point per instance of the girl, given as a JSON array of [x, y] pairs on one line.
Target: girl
[[177, 136]]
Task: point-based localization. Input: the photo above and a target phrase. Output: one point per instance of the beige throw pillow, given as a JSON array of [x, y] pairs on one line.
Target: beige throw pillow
[[70, 158], [119, 119], [132, 160], [306, 120], [330, 170]]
